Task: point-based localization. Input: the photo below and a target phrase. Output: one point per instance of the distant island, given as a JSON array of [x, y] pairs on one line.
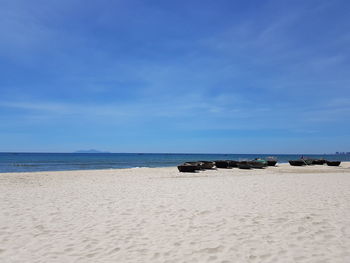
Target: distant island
[[90, 151], [342, 153]]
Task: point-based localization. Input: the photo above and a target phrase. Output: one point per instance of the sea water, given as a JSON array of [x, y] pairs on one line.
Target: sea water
[[29, 162]]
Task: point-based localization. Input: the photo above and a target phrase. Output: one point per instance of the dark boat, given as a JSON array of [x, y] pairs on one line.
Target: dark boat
[[198, 164], [232, 163], [187, 168], [333, 163], [206, 164], [222, 164], [297, 162], [308, 161], [319, 161], [257, 164], [243, 165], [271, 162], [262, 161]]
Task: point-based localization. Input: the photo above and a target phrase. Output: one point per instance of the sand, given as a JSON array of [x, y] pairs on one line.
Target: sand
[[279, 214]]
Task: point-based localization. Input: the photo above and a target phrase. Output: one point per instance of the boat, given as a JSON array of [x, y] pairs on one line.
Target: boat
[[243, 165], [232, 163], [262, 161], [271, 161], [187, 168], [206, 164], [198, 164], [308, 161], [222, 164], [319, 161], [257, 164], [333, 163], [297, 162]]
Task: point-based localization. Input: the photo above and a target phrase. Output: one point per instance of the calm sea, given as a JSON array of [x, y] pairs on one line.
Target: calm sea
[[28, 162]]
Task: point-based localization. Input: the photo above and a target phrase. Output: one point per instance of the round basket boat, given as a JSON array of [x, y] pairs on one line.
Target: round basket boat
[[319, 161], [297, 163], [206, 164], [232, 163], [257, 164], [271, 162], [187, 168], [243, 165], [333, 163], [222, 164]]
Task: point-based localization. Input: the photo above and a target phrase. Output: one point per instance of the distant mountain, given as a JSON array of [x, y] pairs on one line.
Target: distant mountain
[[89, 151]]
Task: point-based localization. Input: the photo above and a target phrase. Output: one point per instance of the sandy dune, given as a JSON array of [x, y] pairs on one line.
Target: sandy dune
[[281, 214]]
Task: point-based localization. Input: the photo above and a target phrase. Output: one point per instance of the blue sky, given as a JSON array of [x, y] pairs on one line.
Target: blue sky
[[175, 76]]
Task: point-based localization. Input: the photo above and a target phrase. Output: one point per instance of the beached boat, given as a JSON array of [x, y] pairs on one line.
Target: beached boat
[[271, 161], [257, 164], [206, 164], [222, 164], [190, 166], [262, 161], [232, 163], [198, 164], [187, 168], [308, 161], [243, 165], [333, 163], [297, 162], [319, 161]]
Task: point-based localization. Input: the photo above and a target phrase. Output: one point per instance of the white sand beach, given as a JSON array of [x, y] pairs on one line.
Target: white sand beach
[[279, 214]]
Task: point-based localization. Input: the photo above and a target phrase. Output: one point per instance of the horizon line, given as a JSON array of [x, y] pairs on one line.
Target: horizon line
[[102, 152]]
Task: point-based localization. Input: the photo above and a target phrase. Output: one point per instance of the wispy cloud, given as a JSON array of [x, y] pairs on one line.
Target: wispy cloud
[[191, 69]]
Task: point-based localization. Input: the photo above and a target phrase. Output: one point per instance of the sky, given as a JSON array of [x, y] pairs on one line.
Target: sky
[[194, 76]]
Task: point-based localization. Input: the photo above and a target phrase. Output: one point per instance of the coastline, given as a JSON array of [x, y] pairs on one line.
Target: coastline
[[278, 214], [35, 162], [344, 164]]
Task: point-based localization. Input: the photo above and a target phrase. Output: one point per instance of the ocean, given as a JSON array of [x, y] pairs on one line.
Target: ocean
[[31, 162]]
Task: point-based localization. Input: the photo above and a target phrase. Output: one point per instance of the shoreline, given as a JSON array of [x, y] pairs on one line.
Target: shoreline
[[31, 162], [346, 163]]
